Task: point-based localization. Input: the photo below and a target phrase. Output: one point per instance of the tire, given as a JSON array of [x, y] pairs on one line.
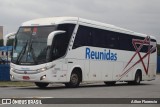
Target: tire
[[41, 85], [110, 83], [137, 79], [74, 80]]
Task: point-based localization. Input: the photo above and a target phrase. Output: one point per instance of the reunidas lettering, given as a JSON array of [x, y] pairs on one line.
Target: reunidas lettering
[[105, 55]]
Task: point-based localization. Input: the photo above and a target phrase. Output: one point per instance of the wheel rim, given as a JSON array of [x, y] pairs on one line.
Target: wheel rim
[[74, 79]]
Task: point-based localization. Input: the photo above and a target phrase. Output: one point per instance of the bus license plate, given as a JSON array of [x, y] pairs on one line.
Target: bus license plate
[[26, 77]]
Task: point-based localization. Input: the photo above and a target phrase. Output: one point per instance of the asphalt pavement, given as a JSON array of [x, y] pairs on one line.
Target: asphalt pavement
[[147, 89]]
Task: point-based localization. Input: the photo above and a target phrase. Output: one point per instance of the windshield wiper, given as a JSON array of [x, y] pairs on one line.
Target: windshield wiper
[[21, 53], [33, 54]]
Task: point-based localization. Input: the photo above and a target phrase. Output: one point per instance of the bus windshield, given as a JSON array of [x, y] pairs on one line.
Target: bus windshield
[[30, 45]]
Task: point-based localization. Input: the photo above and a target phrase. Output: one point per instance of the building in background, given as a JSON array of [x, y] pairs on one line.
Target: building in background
[[1, 32]]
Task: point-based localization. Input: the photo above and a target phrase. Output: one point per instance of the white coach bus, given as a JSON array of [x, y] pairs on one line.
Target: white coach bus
[[71, 50]]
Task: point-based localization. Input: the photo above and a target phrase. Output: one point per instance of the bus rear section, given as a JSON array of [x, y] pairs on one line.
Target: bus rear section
[[112, 56]]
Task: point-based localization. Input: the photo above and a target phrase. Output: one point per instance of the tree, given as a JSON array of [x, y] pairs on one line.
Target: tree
[[1, 42], [10, 42], [158, 49]]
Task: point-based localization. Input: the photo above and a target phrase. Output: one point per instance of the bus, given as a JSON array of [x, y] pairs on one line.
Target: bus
[[73, 50]]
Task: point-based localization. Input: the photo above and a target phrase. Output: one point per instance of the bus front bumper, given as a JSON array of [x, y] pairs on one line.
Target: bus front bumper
[[48, 76]]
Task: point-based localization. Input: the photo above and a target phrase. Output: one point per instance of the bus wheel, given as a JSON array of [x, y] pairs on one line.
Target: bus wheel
[[74, 80], [137, 79], [110, 83], [41, 85]]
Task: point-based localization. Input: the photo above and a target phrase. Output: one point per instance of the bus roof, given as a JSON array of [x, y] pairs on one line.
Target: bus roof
[[60, 20]]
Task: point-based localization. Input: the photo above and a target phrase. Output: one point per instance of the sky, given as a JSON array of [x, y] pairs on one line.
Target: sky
[[141, 16]]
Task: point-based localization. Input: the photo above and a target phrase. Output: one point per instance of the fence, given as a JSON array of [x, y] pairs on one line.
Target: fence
[[4, 62], [158, 64], [4, 72]]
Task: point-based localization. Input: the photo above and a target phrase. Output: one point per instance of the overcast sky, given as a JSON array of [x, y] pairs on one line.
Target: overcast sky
[[138, 15]]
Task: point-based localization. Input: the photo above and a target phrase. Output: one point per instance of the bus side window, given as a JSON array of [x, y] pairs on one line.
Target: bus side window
[[98, 39], [59, 48], [112, 40], [83, 37], [125, 42], [61, 41]]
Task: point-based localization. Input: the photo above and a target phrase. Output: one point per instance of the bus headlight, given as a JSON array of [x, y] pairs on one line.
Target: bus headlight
[[42, 69], [45, 68], [12, 69]]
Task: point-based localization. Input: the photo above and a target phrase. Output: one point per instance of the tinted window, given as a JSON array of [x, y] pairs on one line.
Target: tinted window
[[144, 48], [83, 37], [61, 41], [113, 39], [125, 42], [87, 36]]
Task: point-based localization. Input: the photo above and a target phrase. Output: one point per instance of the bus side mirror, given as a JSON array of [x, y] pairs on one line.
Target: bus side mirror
[[52, 35]]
